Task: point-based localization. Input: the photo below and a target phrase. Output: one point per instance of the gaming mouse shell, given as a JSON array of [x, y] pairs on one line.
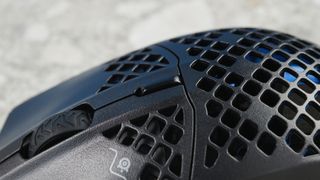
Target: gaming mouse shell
[[238, 103]]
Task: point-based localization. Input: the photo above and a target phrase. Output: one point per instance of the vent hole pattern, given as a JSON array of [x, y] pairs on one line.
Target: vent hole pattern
[[313, 109], [317, 67], [237, 50], [270, 98], [314, 77], [262, 75], [279, 85], [139, 121], [249, 129], [295, 140], [224, 93], [216, 72], [310, 150], [173, 134], [210, 55], [246, 42], [263, 49], [162, 154], [112, 132], [277, 125], [211, 156], [127, 136], [213, 108], [238, 148], [297, 96], [234, 80], [219, 136], [280, 56], [200, 65], [230, 118], [116, 79], [144, 144], [256, 35], [179, 118], [112, 67], [227, 61], [317, 96], [220, 45], [150, 172], [288, 110], [206, 84], [271, 65], [158, 136], [254, 57], [126, 67], [306, 85], [273, 41], [203, 43], [289, 75], [241, 102], [305, 124], [176, 165], [266, 143], [297, 66], [194, 51], [131, 66], [289, 49], [281, 76], [156, 125], [297, 44], [251, 87], [305, 58], [188, 40], [316, 138], [313, 53], [141, 68]]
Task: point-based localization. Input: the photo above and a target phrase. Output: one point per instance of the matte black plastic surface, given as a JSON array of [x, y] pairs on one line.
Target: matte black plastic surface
[[240, 103]]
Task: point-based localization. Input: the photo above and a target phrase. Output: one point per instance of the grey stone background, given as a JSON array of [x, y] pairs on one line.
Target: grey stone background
[[43, 42]]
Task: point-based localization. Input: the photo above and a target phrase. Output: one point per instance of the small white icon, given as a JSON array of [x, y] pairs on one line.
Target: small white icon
[[123, 165]]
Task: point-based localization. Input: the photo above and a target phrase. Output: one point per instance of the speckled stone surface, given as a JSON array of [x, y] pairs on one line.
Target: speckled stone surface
[[45, 42]]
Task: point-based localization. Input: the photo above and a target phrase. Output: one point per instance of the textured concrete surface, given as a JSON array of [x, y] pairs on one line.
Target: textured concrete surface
[[43, 42]]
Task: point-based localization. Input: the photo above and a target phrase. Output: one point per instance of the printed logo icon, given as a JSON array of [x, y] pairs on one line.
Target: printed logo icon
[[123, 165]]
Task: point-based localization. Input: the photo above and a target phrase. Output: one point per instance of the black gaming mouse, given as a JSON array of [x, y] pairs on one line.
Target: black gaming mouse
[[238, 103]]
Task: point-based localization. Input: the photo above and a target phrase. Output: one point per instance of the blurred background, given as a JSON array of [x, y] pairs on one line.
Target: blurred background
[[43, 42]]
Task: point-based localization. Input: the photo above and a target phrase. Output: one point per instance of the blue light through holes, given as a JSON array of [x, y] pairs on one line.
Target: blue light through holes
[[234, 80], [305, 58], [289, 49], [297, 66], [313, 76], [254, 57], [263, 49], [280, 56], [317, 67], [289, 75]]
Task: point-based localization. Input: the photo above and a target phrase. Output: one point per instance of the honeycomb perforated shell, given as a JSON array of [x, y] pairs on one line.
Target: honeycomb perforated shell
[[248, 105], [256, 99]]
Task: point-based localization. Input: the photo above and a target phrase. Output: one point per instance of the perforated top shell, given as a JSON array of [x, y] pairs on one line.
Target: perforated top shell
[[237, 103]]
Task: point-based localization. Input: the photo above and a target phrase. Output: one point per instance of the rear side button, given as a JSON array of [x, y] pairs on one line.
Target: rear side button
[[158, 85]]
